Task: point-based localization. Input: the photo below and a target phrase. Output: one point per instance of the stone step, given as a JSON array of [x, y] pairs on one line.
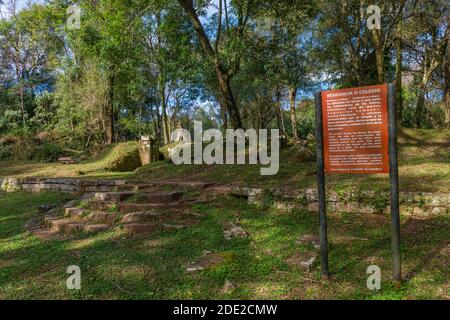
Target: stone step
[[70, 226], [140, 228], [113, 196], [65, 225], [49, 218], [158, 197], [45, 234], [95, 227], [186, 184], [75, 212], [136, 187], [86, 215], [142, 207], [33, 224], [173, 226], [99, 205], [153, 185], [135, 217], [101, 217]]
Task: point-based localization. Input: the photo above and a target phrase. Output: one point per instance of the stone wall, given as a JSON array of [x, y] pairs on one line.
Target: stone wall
[[58, 184], [366, 202]]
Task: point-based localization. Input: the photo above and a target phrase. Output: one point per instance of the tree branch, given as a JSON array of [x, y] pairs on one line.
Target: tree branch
[[219, 27], [188, 7]]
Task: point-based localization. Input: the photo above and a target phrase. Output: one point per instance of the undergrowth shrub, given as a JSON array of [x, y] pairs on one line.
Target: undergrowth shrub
[[48, 152]]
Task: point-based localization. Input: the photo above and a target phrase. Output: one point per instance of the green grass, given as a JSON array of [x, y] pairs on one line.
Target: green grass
[[153, 267], [95, 167], [424, 165]]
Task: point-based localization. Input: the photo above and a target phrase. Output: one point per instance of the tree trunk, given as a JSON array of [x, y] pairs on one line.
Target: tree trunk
[[434, 56], [421, 95], [22, 104], [162, 87], [165, 121], [398, 79], [223, 113], [109, 111], [379, 55], [279, 112], [428, 68], [420, 105], [21, 92], [227, 98], [446, 99], [292, 94], [157, 132], [446, 105]]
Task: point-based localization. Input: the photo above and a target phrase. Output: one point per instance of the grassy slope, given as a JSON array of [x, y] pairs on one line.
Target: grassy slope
[[424, 159], [153, 267], [94, 167]]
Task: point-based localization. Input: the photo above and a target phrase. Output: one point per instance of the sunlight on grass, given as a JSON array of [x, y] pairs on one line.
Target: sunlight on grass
[[424, 165], [154, 266]]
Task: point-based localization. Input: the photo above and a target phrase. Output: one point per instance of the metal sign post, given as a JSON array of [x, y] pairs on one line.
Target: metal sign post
[[354, 111], [321, 188], [394, 192]]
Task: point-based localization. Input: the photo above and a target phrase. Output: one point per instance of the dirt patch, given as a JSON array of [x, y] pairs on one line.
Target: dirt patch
[[310, 290], [303, 260], [151, 244], [208, 260], [309, 240], [232, 230], [5, 263]]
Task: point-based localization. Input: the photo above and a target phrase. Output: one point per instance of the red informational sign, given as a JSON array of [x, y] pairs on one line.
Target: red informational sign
[[355, 125]]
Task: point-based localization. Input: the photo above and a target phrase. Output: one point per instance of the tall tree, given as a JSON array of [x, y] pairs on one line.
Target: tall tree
[[29, 45], [432, 59], [225, 65], [103, 36]]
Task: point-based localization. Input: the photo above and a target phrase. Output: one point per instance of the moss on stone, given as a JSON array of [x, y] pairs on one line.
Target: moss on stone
[[126, 159]]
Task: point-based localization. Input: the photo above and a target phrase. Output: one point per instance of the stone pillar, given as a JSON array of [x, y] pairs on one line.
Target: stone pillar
[[145, 150], [178, 136]]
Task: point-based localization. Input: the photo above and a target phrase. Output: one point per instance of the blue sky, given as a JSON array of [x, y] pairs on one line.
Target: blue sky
[[20, 4]]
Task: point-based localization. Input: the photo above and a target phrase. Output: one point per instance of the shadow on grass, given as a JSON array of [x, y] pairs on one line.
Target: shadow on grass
[[17, 208], [153, 266]]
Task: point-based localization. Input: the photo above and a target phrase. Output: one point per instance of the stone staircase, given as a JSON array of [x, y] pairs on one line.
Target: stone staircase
[[134, 209]]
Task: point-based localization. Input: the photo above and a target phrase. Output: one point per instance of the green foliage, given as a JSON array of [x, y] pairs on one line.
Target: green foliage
[[267, 199], [6, 152], [379, 202], [306, 120], [48, 152], [409, 108], [30, 49], [130, 71], [10, 121], [433, 116], [113, 208], [44, 113], [7, 147]]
